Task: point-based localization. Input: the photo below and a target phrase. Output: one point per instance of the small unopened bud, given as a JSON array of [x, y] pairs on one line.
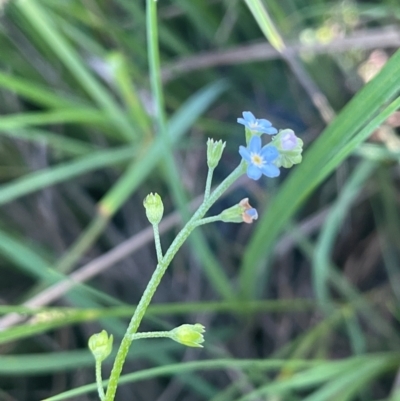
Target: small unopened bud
[[190, 335], [154, 208], [289, 140], [242, 212], [289, 147], [214, 152], [101, 345]]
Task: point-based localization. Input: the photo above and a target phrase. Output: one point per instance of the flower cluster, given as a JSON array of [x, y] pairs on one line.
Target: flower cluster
[[283, 151]]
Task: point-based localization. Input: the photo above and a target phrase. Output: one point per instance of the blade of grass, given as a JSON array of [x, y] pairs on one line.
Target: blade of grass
[[271, 305], [59, 143], [32, 262], [64, 116], [266, 24], [25, 257], [38, 94], [352, 144], [62, 172], [169, 39], [128, 93]]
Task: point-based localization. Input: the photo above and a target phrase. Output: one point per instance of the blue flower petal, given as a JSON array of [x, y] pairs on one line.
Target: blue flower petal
[[270, 131], [255, 144], [269, 153], [249, 117], [252, 213], [244, 152], [264, 123], [254, 172], [270, 170], [257, 124]]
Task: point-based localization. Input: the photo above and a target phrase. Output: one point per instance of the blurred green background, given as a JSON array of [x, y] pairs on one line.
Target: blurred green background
[[301, 305]]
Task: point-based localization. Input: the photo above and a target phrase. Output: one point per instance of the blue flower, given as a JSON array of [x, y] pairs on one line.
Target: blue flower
[[256, 124], [259, 159]]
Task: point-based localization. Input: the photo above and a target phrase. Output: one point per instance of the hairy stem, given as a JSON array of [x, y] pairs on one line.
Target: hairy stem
[[157, 276]]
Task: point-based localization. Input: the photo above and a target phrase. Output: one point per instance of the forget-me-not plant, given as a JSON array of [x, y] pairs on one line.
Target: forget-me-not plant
[[284, 150]]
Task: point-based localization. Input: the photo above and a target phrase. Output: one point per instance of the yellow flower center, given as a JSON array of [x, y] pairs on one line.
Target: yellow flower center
[[257, 160]]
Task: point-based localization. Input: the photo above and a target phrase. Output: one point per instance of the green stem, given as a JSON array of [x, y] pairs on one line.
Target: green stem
[[208, 183], [151, 334], [208, 220], [157, 242], [157, 276], [155, 70], [99, 380]]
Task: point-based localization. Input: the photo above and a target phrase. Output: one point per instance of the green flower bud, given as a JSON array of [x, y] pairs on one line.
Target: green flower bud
[[289, 147], [214, 152], [189, 335], [101, 345], [242, 212], [154, 208]]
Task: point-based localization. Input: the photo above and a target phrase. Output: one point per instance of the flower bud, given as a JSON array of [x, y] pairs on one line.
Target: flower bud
[[214, 152], [242, 212], [189, 335], [101, 345], [154, 208], [289, 147]]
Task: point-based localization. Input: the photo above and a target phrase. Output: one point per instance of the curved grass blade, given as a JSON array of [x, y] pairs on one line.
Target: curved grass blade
[[72, 116], [38, 94], [65, 171], [62, 144]]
